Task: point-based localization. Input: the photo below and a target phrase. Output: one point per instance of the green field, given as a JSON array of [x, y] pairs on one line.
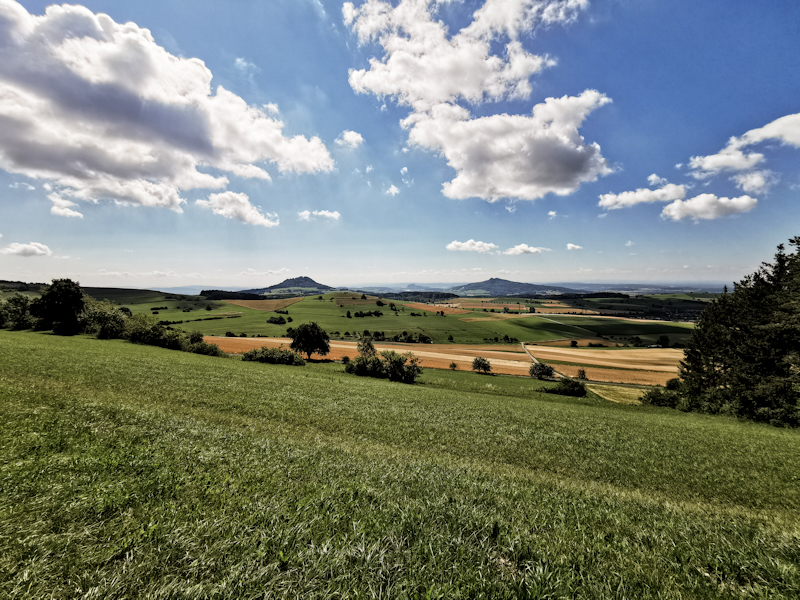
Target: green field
[[648, 331], [131, 471]]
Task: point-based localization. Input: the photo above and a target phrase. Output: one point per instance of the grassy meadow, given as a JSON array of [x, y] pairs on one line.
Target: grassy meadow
[[131, 471]]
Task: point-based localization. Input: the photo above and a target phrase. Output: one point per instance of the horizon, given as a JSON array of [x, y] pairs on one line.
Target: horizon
[[151, 145]]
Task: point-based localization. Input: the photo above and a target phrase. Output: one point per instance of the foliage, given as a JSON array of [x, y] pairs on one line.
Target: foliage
[[103, 319], [481, 365], [274, 356], [277, 320], [142, 329], [582, 374], [389, 365], [308, 339], [17, 312], [743, 358], [568, 387], [59, 307], [453, 366], [658, 396], [541, 371]]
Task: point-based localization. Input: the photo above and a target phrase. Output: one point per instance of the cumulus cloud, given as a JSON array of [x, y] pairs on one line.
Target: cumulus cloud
[[324, 214], [495, 156], [655, 180], [471, 246], [27, 250], [629, 243], [552, 214], [22, 185], [665, 194], [368, 169], [351, 139], [708, 206], [525, 249], [101, 110], [272, 108], [237, 206], [755, 182], [574, 247], [253, 273], [785, 130], [393, 191]]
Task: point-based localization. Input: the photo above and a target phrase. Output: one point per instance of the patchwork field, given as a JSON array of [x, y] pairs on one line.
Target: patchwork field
[[135, 472]]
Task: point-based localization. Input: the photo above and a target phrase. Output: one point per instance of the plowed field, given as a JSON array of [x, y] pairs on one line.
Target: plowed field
[[434, 309], [265, 305]]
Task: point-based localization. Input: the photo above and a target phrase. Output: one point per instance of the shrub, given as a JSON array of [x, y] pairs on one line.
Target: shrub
[[230, 334], [195, 337], [103, 319], [659, 396], [345, 359], [568, 387], [453, 366], [206, 349], [582, 374], [277, 321], [274, 356], [541, 371]]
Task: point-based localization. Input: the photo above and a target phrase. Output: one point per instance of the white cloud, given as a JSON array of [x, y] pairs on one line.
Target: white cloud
[[368, 169], [574, 247], [404, 170], [731, 158], [665, 194], [393, 191], [22, 185], [495, 156], [272, 108], [471, 246], [351, 139], [104, 112], [525, 249], [708, 206], [63, 207], [31, 249], [552, 214], [655, 180], [325, 214], [755, 182], [517, 156], [629, 243], [245, 67], [237, 206]]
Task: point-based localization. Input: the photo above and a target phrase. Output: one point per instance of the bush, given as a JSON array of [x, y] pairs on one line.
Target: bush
[[195, 337], [582, 374], [541, 371], [659, 396], [204, 348], [568, 387], [103, 319], [277, 321], [274, 356], [481, 365], [453, 366], [230, 334]]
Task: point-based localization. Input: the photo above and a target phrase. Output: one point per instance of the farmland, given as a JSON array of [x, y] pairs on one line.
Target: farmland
[[132, 471]]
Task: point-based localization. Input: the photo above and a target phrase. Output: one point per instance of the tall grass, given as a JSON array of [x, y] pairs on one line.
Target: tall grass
[[130, 471]]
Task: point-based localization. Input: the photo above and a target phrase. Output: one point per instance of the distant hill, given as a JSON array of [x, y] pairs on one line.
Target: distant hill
[[299, 284], [503, 287]]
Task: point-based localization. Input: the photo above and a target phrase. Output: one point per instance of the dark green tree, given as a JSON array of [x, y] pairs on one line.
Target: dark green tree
[[481, 365], [541, 371], [17, 312], [309, 338], [59, 307], [742, 358]]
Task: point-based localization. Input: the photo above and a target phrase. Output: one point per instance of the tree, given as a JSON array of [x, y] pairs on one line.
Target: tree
[[541, 371], [481, 365], [573, 344], [59, 307], [17, 311], [743, 355], [453, 366], [663, 341], [309, 338], [366, 347]]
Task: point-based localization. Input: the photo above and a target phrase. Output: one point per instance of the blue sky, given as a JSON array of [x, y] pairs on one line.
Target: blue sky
[[235, 144]]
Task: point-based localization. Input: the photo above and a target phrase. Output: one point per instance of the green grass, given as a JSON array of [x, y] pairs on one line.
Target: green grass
[[130, 471], [648, 331]]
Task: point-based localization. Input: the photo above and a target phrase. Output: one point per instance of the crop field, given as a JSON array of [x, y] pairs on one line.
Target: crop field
[[509, 361], [433, 308], [645, 366], [132, 471], [265, 305]]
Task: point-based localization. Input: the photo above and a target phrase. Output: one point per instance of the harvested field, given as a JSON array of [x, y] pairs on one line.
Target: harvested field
[[565, 342], [489, 305], [665, 360], [566, 310], [496, 317], [434, 309], [265, 305], [619, 394], [432, 356], [617, 375]]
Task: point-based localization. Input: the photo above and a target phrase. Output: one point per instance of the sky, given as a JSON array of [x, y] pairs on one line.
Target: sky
[[239, 143]]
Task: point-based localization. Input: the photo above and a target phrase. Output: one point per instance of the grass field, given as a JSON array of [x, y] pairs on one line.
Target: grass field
[[130, 471]]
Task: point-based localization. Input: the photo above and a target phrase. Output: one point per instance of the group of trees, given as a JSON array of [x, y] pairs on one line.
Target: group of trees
[[386, 365], [66, 310], [743, 357]]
